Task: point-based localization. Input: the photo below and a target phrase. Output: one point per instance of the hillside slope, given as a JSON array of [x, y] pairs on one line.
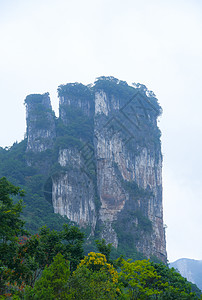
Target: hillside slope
[[190, 269]]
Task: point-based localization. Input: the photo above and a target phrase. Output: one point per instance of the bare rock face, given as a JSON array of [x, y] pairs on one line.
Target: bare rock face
[[40, 123], [73, 191], [109, 162], [129, 165]]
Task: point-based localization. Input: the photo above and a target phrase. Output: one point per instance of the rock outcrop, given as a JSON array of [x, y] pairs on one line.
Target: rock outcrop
[[40, 123], [109, 162], [73, 191]]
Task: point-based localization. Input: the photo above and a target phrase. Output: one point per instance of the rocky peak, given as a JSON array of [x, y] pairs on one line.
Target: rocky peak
[[75, 97], [108, 164], [40, 122]]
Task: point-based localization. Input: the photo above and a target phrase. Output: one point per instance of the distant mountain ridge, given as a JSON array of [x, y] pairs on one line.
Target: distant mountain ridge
[[190, 269]]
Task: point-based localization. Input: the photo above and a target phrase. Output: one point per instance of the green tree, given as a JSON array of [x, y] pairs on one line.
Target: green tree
[[177, 286], [139, 280], [95, 279], [40, 249], [146, 280], [73, 240], [104, 248], [53, 284], [11, 227]]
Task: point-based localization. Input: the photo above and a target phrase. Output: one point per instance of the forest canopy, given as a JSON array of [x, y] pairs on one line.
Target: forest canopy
[[51, 264]]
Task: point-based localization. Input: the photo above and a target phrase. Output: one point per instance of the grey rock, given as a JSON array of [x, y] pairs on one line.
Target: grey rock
[[113, 182]]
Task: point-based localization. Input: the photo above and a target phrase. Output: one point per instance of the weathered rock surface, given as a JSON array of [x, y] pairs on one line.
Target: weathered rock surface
[[109, 175], [40, 123], [73, 191], [121, 163]]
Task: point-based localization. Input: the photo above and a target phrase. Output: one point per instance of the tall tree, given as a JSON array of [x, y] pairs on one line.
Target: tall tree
[[11, 227], [104, 248], [53, 284], [95, 279]]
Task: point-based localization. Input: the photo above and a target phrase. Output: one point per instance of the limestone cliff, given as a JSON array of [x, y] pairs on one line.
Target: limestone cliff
[[107, 173], [40, 122], [73, 191]]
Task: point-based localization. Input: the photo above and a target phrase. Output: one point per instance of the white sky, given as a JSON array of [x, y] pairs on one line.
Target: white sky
[[45, 43]]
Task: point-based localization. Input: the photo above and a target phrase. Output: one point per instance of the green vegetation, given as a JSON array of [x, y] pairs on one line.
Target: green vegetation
[[134, 190], [124, 92], [11, 226], [36, 98], [130, 227], [115, 87], [74, 129], [53, 282], [48, 262], [51, 265], [75, 91], [141, 280], [13, 165], [104, 248], [41, 111], [79, 125], [32, 171]]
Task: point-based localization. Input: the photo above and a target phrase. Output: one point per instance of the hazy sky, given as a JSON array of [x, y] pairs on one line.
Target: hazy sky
[[45, 43]]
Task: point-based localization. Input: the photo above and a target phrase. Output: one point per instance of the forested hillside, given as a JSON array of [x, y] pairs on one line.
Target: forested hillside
[[51, 264], [190, 269]]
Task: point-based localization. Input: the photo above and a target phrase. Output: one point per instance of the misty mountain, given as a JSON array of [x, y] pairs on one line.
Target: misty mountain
[[190, 269]]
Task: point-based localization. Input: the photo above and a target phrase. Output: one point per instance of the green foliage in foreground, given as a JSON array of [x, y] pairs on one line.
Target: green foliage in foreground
[[95, 278], [10, 223], [53, 283], [50, 265]]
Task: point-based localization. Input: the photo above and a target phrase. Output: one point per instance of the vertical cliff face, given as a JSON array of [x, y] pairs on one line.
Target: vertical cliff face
[[129, 164], [40, 123], [109, 162], [75, 97], [73, 191]]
